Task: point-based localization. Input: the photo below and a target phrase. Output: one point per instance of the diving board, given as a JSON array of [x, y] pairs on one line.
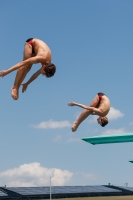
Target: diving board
[[104, 139]]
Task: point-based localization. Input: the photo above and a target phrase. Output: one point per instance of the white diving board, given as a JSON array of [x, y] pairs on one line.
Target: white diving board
[[104, 139]]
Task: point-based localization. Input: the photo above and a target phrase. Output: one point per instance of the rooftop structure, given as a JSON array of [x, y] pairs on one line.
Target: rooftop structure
[[62, 192]]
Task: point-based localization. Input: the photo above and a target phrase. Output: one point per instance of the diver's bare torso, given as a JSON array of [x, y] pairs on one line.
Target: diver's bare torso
[[42, 49], [104, 105]]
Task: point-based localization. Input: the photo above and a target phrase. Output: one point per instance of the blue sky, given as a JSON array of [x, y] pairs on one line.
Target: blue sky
[[92, 47]]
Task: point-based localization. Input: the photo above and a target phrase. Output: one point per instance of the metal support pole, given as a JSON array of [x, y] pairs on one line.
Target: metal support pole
[[50, 187]]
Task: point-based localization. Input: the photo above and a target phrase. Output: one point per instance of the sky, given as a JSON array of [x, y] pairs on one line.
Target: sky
[[92, 47]]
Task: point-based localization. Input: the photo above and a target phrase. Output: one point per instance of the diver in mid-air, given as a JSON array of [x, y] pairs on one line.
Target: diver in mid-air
[[100, 106], [35, 51]]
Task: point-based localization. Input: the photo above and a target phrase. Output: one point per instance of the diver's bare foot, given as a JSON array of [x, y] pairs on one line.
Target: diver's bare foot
[[14, 93], [74, 126]]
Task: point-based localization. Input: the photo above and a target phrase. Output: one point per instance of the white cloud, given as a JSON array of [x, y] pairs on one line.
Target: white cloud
[[89, 176], [83, 178], [34, 174], [131, 123], [114, 131], [73, 140], [57, 138], [112, 115], [52, 124]]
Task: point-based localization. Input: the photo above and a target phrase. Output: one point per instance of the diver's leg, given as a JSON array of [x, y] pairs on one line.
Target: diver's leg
[[84, 114], [25, 71], [21, 73]]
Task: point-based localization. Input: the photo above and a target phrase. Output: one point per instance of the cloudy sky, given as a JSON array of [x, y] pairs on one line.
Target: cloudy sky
[[92, 47]]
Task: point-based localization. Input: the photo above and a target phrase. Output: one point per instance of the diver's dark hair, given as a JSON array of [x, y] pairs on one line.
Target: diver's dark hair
[[50, 69], [104, 121]]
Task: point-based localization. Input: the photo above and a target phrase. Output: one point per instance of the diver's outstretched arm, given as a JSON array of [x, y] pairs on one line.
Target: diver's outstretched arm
[[93, 109], [29, 61], [32, 78]]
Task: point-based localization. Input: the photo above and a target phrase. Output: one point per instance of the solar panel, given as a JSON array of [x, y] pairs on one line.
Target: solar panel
[[30, 190], [105, 189], [60, 190], [82, 189], [103, 139], [2, 194], [127, 188]]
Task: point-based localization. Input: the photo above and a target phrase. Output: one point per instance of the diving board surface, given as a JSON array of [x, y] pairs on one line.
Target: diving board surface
[[131, 161], [104, 139]]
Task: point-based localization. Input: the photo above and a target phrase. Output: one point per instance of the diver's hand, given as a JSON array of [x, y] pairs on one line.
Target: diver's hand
[[3, 73], [24, 87], [71, 103]]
